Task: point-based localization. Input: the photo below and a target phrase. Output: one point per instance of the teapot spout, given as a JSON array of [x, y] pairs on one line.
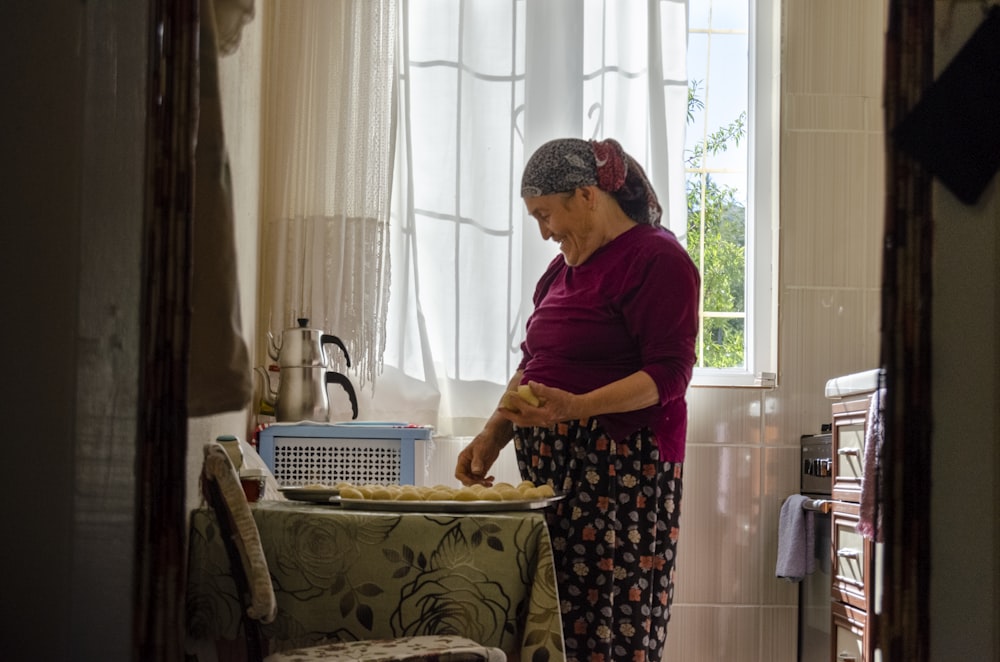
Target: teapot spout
[[268, 395], [273, 346]]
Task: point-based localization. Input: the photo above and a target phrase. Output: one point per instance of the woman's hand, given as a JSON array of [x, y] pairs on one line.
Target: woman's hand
[[636, 391], [556, 405], [475, 460]]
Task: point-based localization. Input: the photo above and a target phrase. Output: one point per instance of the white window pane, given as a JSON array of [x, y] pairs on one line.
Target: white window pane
[[486, 186], [718, 192], [697, 77], [736, 183], [727, 91], [482, 346], [729, 14], [489, 29], [699, 14], [433, 30], [434, 147]]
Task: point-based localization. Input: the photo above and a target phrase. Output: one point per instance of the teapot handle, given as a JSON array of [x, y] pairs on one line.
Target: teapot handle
[[326, 339], [336, 377]]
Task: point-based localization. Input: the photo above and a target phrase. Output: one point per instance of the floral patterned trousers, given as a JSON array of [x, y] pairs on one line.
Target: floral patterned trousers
[[614, 536]]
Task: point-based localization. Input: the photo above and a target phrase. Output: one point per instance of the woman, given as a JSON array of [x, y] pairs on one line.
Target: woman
[[608, 352]]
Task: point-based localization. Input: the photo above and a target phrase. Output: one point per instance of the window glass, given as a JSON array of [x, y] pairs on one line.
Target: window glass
[[730, 210]]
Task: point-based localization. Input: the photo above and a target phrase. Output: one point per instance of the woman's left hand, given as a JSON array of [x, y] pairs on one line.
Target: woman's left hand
[[557, 405]]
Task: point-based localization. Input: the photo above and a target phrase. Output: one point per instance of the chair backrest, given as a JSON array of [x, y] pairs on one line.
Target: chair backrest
[[224, 494]]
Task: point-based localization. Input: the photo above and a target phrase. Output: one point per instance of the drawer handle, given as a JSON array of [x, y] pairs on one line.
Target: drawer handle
[[848, 553], [849, 451]]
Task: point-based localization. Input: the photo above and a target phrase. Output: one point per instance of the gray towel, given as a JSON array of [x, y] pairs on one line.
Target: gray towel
[[796, 539]]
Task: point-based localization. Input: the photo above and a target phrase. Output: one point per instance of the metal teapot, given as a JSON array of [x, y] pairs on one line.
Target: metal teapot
[[304, 347], [302, 394], [304, 374]]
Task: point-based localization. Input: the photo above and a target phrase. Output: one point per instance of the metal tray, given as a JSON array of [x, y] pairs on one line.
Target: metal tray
[[311, 494], [420, 506]]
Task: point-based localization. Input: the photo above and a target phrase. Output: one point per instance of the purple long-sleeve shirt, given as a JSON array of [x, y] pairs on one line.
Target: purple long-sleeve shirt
[[633, 305]]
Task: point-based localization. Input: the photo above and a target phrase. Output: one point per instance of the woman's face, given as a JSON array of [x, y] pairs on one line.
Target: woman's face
[[566, 219]]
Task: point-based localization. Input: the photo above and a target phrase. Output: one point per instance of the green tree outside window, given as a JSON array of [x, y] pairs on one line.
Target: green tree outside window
[[716, 241]]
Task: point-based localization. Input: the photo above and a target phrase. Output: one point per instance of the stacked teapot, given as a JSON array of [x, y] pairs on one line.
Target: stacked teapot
[[304, 374]]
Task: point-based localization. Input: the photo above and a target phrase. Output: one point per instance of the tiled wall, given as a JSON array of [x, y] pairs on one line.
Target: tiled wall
[[743, 453]]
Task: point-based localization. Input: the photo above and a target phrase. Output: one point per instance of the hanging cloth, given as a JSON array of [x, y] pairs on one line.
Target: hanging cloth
[[219, 375]]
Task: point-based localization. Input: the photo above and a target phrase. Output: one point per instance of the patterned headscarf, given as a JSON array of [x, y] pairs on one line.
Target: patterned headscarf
[[566, 164]]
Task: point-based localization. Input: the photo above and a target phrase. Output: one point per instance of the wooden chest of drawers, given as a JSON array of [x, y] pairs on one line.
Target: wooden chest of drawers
[[852, 555]]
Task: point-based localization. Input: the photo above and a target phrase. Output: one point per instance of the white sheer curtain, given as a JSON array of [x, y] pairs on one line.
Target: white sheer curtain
[[482, 84], [329, 80]]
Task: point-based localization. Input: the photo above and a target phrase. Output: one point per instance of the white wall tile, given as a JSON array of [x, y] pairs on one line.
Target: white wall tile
[[830, 113], [829, 227], [718, 552], [779, 634], [712, 633], [724, 416], [831, 47]]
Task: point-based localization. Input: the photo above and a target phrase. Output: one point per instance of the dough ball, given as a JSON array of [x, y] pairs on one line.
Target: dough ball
[[526, 394], [441, 495], [510, 400], [351, 492], [467, 494], [490, 495], [533, 493]]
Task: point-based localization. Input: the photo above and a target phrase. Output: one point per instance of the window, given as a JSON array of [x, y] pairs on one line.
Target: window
[[731, 166], [483, 83]]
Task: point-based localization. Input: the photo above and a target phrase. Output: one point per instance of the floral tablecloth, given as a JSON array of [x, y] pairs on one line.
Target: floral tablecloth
[[352, 574]]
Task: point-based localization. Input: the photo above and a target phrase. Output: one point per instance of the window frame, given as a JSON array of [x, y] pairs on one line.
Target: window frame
[[763, 110]]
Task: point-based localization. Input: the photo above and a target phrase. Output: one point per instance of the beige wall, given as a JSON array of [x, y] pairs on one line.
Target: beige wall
[[743, 448]]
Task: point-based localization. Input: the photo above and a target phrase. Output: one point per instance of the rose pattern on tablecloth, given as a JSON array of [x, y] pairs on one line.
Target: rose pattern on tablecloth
[[315, 556], [449, 594]]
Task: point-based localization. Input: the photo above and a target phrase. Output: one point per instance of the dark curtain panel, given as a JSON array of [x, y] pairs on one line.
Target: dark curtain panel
[[904, 625], [162, 433]]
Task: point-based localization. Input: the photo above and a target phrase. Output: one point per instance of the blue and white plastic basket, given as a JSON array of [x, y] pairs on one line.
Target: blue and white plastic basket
[[358, 452]]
